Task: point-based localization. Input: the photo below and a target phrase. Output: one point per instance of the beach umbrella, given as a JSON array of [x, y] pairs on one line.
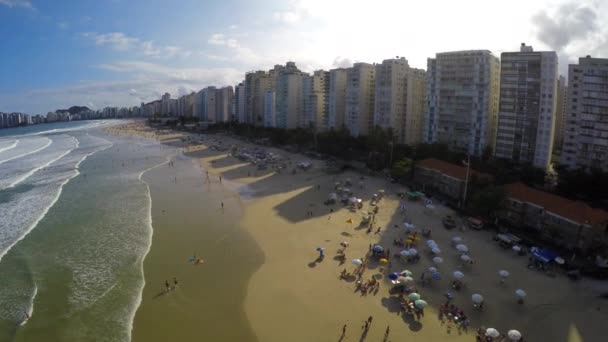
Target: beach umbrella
[[432, 269], [421, 304], [408, 225], [320, 249], [413, 296], [413, 251], [384, 261], [458, 275], [403, 280], [559, 260], [514, 335], [437, 260], [378, 249], [493, 333], [344, 244], [357, 262], [477, 298], [516, 248], [457, 239], [408, 280], [393, 276], [431, 243], [462, 248], [503, 273], [520, 293], [436, 250], [436, 276], [407, 273], [404, 253], [349, 221], [465, 257]]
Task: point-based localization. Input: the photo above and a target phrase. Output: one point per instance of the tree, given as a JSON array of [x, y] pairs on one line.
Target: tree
[[402, 168], [488, 200]]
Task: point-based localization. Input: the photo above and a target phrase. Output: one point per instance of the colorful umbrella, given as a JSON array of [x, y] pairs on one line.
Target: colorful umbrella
[[393, 276], [407, 273], [413, 251], [320, 249], [413, 296], [384, 261], [408, 280], [349, 221], [514, 335], [357, 262], [458, 275], [420, 304], [477, 298]]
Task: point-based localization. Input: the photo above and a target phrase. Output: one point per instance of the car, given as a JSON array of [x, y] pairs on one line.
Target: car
[[475, 223], [449, 222]]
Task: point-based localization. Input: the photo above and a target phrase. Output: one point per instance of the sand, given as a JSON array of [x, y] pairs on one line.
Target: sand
[[293, 298]]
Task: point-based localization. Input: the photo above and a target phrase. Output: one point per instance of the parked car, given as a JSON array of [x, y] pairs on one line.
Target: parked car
[[475, 223], [449, 222]]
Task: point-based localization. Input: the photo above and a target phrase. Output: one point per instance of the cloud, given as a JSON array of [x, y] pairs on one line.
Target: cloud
[[117, 40], [63, 25], [342, 62], [234, 27], [122, 42], [17, 3], [288, 17], [569, 23]]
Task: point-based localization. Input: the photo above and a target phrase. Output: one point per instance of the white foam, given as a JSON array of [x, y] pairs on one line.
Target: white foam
[[9, 146], [49, 141], [30, 309], [151, 229]]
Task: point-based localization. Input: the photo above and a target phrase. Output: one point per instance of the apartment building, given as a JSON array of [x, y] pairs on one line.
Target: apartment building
[[209, 104], [586, 134], [270, 109], [315, 101], [240, 103], [528, 101], [359, 102], [256, 85], [288, 97], [337, 98], [560, 113], [411, 131], [462, 100], [224, 104]]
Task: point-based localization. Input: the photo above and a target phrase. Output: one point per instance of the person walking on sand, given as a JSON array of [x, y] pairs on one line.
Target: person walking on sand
[[175, 282], [220, 179], [388, 331], [344, 330], [222, 204], [167, 286]]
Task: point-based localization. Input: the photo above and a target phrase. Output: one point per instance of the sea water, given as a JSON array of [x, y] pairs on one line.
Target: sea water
[[74, 230]]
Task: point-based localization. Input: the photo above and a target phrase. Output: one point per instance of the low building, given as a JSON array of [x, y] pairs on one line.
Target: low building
[[446, 178], [565, 222]]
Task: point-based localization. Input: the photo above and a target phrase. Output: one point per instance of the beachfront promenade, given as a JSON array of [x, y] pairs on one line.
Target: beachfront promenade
[[297, 296]]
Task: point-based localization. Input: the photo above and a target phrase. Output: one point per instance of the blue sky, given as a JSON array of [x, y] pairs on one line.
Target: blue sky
[[121, 52]]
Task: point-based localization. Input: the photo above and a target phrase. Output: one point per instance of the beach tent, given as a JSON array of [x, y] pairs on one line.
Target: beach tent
[[543, 255]]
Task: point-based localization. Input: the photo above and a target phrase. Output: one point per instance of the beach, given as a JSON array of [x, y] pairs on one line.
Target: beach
[[292, 295]]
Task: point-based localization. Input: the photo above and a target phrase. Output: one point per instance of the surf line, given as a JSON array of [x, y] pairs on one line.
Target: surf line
[[36, 169], [150, 227], [25, 154], [10, 147]]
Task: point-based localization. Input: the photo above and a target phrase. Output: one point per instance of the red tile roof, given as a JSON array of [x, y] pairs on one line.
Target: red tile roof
[[449, 169], [576, 211]]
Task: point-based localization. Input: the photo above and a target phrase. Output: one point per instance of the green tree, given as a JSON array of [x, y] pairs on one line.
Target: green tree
[[402, 168], [488, 200]]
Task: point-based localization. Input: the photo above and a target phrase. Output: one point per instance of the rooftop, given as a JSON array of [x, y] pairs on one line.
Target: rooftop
[[576, 211], [449, 169]]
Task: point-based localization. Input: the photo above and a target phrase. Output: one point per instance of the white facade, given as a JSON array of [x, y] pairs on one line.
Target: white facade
[[224, 103], [586, 136], [209, 104], [240, 102], [269, 109], [315, 92], [288, 97], [359, 104], [337, 98], [528, 98], [411, 132], [462, 100]]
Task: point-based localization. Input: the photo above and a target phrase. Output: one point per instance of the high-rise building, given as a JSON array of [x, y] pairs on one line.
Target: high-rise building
[[399, 100], [528, 98], [462, 100], [224, 103], [269, 109], [359, 104], [560, 113], [240, 101], [256, 85], [288, 97], [586, 135], [165, 104], [337, 98], [315, 105], [209, 104]]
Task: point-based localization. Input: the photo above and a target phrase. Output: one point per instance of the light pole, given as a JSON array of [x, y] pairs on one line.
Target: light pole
[[466, 181]]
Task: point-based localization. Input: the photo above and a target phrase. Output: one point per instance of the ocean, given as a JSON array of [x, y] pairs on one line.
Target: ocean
[[75, 227]]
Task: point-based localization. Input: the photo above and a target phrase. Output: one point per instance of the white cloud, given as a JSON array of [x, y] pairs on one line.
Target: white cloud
[[288, 17], [234, 27], [63, 25], [17, 3], [217, 39], [122, 42], [117, 40]]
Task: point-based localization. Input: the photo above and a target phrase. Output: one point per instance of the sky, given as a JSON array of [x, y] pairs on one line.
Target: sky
[[59, 53]]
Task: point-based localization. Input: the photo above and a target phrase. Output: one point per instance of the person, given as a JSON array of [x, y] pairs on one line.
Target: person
[[167, 285], [344, 330], [220, 179], [175, 281], [388, 330], [369, 319], [222, 205]]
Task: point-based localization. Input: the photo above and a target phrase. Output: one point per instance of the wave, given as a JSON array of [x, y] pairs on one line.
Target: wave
[[28, 153], [9, 147], [151, 229], [36, 169], [30, 309]]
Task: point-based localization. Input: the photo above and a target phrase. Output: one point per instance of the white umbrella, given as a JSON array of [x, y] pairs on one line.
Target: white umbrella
[[436, 250], [560, 260], [457, 239], [520, 293], [514, 335], [432, 269], [465, 257], [404, 252], [413, 251], [458, 275], [408, 225], [516, 248], [430, 242], [477, 298], [493, 333], [357, 262], [503, 273], [462, 248], [402, 280], [437, 260]]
